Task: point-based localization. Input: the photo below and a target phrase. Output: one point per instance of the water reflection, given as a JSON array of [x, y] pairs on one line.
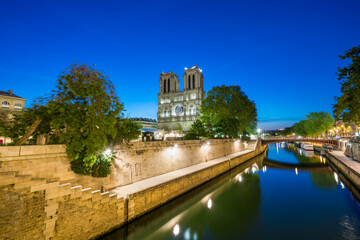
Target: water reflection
[[260, 199]]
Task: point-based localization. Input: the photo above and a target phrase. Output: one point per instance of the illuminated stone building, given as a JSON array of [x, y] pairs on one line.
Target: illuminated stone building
[[177, 110], [10, 105]]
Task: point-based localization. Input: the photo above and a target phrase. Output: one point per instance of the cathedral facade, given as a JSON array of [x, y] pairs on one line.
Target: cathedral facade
[[177, 110]]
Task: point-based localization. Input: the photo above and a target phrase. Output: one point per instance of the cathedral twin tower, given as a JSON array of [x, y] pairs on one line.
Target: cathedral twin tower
[[177, 110]]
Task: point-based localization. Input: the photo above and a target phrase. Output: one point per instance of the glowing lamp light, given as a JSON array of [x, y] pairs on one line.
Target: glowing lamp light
[[336, 177], [176, 230], [108, 152], [240, 178], [209, 203]]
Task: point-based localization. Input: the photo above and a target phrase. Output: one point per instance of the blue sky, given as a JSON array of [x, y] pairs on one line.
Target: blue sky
[[283, 54]]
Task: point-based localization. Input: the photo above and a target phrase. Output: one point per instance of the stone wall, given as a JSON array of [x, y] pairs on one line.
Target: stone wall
[[134, 161], [35, 207], [353, 151]]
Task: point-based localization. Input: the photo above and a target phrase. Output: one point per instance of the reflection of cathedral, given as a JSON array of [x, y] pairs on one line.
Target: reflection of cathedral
[[177, 110]]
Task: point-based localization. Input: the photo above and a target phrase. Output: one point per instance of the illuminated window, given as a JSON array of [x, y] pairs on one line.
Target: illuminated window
[[5, 104], [17, 106]]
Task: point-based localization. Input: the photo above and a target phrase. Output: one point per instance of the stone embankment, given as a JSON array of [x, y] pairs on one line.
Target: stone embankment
[[346, 165], [41, 198]]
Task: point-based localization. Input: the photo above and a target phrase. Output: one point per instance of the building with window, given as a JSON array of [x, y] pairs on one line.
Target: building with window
[[177, 110], [10, 104], [146, 123]]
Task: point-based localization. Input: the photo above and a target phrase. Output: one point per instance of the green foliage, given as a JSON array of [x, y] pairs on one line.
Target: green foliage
[[86, 108], [19, 124], [228, 112], [315, 124], [287, 131], [191, 136], [196, 131], [126, 130], [100, 168], [347, 105]]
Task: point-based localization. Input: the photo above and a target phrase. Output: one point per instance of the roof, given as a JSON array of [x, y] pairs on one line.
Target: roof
[[150, 130], [7, 94], [144, 119]]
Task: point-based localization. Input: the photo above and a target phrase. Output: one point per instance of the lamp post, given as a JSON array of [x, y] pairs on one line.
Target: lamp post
[[258, 131]]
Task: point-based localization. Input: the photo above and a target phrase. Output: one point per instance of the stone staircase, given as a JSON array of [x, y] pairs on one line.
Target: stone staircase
[[54, 192]]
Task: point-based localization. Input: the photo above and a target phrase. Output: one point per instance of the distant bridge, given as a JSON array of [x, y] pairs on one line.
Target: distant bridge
[[313, 167], [331, 142]]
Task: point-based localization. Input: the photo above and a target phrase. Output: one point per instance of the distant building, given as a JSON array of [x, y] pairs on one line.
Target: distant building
[[10, 104], [146, 123], [177, 110]]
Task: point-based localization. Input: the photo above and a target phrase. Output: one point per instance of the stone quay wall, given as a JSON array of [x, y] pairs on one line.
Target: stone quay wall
[[41, 198], [133, 162], [353, 150]]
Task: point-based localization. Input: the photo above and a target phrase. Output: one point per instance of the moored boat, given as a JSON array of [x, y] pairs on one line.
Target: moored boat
[[307, 146]]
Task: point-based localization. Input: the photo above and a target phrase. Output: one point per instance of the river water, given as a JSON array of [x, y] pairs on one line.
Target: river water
[[284, 194]]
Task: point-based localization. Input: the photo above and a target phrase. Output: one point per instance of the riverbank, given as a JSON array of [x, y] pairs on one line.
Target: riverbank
[[148, 194], [347, 166], [39, 201]]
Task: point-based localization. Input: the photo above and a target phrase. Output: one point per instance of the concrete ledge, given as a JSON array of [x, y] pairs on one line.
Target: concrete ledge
[[350, 168]]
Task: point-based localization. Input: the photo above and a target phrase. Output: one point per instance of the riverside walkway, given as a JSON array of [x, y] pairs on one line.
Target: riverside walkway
[[348, 166], [145, 184]]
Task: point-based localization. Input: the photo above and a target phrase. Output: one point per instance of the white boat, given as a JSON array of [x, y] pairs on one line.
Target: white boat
[[307, 146]]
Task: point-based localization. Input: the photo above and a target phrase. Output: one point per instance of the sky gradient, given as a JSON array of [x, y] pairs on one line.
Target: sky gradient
[[283, 54]]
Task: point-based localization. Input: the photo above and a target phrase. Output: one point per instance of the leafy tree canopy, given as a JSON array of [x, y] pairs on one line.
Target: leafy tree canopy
[[315, 124], [227, 111], [86, 106], [347, 105]]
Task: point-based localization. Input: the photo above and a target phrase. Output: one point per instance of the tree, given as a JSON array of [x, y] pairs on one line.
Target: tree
[[300, 129], [86, 107], [227, 111], [287, 131], [196, 131], [317, 123], [126, 130], [347, 105], [33, 121]]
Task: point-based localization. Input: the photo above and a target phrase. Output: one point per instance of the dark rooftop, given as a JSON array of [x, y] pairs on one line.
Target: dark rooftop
[[9, 94]]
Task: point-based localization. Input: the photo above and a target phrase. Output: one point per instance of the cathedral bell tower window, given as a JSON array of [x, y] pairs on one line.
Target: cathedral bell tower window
[[168, 85], [193, 82], [189, 82], [165, 86]]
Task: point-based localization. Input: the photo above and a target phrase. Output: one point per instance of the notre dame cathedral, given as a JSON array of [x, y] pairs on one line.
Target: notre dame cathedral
[[177, 110]]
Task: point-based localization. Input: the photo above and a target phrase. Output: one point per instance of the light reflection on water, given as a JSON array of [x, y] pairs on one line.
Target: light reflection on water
[[256, 201]]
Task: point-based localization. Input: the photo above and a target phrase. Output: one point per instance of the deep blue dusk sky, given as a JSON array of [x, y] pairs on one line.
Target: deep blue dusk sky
[[283, 54]]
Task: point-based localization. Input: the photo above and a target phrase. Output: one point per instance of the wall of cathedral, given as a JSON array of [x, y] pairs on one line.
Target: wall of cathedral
[[177, 110]]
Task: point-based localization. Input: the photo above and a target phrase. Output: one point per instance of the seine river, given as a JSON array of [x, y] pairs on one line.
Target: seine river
[[284, 194]]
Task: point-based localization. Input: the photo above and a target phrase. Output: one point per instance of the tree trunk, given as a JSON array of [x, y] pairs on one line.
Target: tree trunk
[[29, 132]]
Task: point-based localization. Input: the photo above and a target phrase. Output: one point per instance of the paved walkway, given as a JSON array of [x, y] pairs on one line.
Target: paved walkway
[[167, 177], [349, 162]]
